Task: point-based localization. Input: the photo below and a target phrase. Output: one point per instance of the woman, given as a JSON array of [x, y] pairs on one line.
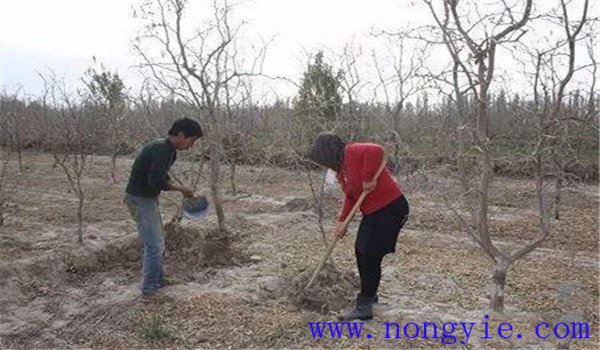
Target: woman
[[384, 209]]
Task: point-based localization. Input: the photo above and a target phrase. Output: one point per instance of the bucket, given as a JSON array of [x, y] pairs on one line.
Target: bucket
[[195, 208]]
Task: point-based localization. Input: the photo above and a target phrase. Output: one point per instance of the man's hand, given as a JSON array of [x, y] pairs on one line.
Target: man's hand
[[369, 186], [186, 191], [340, 230]]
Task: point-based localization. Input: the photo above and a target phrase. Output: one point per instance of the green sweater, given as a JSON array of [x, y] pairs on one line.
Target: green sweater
[[149, 173]]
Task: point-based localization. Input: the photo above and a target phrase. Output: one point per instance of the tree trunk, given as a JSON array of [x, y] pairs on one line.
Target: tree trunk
[[215, 171], [320, 209], [16, 142], [113, 166], [499, 280], [318, 203], [462, 166], [558, 187], [486, 161], [80, 213], [396, 158], [20, 158], [214, 189], [3, 185], [232, 177], [1, 212], [114, 143]]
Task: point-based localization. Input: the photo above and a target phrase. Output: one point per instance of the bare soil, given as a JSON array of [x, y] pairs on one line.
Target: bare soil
[[246, 288]]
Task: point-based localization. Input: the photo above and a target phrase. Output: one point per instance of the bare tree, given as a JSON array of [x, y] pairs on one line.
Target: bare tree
[[318, 195], [352, 86], [552, 133], [9, 181], [4, 185], [400, 77], [69, 141], [197, 61], [558, 123], [559, 126], [12, 111], [106, 92], [238, 104], [478, 69]]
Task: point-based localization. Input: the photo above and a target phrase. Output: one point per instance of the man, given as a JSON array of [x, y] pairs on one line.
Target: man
[[149, 176], [384, 209]]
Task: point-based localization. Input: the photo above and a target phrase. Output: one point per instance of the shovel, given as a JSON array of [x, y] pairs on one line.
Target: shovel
[[345, 224]]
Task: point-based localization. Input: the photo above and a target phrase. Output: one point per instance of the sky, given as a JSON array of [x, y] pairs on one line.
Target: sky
[[37, 36], [62, 36]]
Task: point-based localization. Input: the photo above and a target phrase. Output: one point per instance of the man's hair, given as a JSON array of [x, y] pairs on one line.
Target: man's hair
[[189, 127]]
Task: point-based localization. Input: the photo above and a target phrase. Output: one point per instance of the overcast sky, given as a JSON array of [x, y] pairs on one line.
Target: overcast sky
[[64, 35]]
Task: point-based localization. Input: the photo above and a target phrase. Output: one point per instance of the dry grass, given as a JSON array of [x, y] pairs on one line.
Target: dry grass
[[247, 290]]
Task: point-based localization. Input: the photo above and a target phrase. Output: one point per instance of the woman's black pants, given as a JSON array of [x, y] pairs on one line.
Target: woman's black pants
[[369, 269], [376, 237]]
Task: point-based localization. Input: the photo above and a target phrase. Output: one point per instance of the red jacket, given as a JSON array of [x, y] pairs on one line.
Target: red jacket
[[361, 161]]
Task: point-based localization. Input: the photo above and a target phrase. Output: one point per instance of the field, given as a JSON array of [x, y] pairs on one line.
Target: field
[[245, 290]]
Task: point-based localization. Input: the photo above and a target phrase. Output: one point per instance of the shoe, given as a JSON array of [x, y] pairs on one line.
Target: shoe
[[363, 309]]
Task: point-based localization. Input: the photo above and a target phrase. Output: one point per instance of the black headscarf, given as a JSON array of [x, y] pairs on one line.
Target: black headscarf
[[327, 150]]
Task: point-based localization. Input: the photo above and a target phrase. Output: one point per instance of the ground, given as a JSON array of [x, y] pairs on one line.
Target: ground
[[246, 289]]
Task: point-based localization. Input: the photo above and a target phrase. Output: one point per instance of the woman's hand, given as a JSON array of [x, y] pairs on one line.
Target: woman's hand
[[340, 230], [369, 186]]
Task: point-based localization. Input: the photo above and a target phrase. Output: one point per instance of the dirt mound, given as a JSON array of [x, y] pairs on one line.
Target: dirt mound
[[200, 248], [332, 291], [188, 248]]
